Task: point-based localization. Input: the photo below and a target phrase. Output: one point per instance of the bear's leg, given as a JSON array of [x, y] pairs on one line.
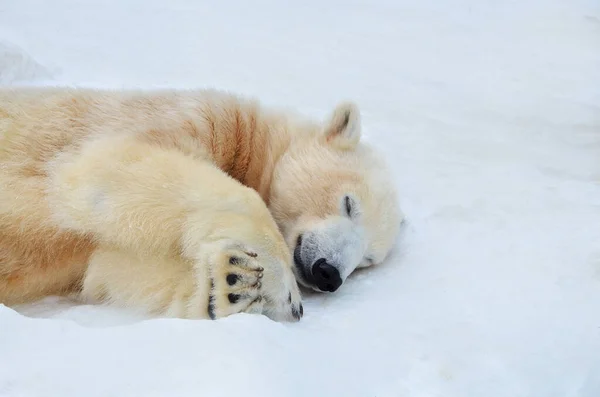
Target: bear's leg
[[160, 203], [144, 198], [173, 286]]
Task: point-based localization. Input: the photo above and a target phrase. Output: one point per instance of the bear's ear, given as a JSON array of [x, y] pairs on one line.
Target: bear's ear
[[344, 126]]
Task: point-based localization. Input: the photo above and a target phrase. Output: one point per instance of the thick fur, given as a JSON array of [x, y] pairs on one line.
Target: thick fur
[[146, 200], [184, 203]]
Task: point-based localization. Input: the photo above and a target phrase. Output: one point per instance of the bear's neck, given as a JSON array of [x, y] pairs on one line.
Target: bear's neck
[[248, 146]]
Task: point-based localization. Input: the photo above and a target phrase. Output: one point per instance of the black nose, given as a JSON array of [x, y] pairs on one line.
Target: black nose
[[327, 277]]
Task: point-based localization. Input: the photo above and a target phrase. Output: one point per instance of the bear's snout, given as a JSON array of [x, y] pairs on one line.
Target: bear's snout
[[321, 275]]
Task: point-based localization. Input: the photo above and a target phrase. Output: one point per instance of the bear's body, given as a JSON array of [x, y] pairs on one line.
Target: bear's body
[[128, 183], [158, 201]]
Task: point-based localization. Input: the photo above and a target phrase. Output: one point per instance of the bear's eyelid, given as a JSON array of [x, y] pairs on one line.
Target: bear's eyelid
[[348, 204]]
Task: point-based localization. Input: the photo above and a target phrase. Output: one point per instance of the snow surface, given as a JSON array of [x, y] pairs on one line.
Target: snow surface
[[489, 112]]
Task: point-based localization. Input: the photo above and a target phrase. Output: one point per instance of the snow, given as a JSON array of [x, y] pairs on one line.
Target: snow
[[18, 67], [488, 112]]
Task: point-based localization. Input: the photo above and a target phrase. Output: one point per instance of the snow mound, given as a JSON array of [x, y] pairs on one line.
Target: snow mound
[[16, 65]]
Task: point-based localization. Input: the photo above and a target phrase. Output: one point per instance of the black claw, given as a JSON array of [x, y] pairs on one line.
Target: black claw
[[211, 301], [297, 312], [233, 298], [232, 278], [290, 298]]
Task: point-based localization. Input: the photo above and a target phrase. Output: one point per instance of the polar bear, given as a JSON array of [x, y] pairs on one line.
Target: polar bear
[[192, 204]]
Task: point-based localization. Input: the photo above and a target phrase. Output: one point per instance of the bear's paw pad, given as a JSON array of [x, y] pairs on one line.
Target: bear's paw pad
[[235, 284]]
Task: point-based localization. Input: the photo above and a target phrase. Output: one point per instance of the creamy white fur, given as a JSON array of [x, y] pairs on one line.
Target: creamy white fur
[[146, 199]]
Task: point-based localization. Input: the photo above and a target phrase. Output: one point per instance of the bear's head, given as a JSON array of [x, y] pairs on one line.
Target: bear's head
[[334, 201]]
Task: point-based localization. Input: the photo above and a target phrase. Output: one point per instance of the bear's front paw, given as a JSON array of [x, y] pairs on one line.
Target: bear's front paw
[[235, 284]]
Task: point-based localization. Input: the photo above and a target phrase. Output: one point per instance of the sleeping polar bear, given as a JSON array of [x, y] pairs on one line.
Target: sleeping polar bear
[[192, 204]]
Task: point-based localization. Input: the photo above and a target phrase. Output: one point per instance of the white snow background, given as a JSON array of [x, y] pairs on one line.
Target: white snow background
[[489, 112]]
